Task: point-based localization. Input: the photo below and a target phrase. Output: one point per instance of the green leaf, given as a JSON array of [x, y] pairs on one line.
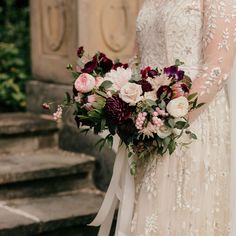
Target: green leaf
[[110, 141], [106, 85], [181, 124], [192, 96], [101, 93], [178, 62], [200, 105], [172, 147], [167, 141], [171, 123], [75, 74], [162, 105], [67, 98]]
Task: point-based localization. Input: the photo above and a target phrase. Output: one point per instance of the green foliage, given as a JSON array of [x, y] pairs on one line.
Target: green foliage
[[14, 54]]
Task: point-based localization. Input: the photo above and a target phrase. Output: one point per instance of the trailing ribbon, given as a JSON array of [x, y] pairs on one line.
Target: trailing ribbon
[[121, 189]]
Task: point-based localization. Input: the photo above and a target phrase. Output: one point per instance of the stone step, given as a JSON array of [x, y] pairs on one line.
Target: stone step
[[26, 131], [64, 214], [43, 172]]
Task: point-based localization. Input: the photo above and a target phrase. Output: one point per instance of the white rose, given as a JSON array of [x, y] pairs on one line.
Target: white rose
[[131, 93], [151, 95], [118, 77], [164, 131], [178, 107]]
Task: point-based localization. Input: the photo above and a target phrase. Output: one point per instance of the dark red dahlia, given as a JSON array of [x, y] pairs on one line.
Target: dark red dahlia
[[166, 92], [126, 130], [144, 72], [80, 52], [119, 64], [90, 66], [116, 110], [146, 86], [103, 62]]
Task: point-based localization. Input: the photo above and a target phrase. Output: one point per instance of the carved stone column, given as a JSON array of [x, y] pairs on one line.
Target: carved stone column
[[58, 27]]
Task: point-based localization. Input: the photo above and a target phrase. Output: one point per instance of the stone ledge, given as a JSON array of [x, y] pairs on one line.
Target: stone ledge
[[46, 163], [49, 213], [22, 123]]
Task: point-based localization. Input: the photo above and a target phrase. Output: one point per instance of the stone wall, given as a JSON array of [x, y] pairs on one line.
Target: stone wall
[[58, 27]]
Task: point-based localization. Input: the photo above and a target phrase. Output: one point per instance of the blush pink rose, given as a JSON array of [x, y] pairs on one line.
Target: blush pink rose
[[85, 83]]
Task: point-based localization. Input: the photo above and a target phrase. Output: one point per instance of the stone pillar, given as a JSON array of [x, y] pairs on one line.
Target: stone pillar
[[58, 27]]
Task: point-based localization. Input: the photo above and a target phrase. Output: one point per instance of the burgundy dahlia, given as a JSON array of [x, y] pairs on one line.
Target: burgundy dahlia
[[119, 64], [116, 110], [90, 66], [144, 72], [103, 62], [146, 86]]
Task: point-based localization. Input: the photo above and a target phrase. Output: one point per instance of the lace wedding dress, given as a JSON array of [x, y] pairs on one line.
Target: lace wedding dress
[[186, 194]]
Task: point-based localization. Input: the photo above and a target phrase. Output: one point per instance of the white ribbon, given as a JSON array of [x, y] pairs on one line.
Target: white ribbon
[[121, 189]]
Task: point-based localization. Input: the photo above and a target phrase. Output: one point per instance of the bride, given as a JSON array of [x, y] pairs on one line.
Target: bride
[[188, 193]]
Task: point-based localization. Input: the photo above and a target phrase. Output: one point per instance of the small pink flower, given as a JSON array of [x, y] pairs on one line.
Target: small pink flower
[[98, 81], [91, 98], [58, 114], [85, 83]]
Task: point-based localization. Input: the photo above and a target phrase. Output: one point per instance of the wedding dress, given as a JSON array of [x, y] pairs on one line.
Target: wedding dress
[[188, 193]]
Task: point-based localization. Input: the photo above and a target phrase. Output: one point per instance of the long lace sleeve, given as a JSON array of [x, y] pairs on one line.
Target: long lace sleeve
[[219, 40]]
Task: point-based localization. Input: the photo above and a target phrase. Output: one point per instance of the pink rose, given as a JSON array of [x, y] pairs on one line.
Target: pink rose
[[85, 83], [91, 98]]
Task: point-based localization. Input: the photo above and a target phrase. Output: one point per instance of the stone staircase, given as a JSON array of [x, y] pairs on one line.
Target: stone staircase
[[43, 190]]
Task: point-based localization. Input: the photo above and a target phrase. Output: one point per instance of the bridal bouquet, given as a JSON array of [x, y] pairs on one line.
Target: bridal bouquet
[[148, 108]]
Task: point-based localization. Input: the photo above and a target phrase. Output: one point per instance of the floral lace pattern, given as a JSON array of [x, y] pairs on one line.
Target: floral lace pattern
[[187, 194]]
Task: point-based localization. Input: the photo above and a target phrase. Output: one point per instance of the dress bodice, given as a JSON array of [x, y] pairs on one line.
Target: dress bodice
[[170, 30]]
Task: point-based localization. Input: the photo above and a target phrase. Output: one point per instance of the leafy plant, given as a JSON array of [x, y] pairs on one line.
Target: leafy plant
[[14, 54]]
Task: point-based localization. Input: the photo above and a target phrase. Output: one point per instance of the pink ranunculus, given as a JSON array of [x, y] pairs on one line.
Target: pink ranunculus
[[85, 83], [99, 80], [91, 98]]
